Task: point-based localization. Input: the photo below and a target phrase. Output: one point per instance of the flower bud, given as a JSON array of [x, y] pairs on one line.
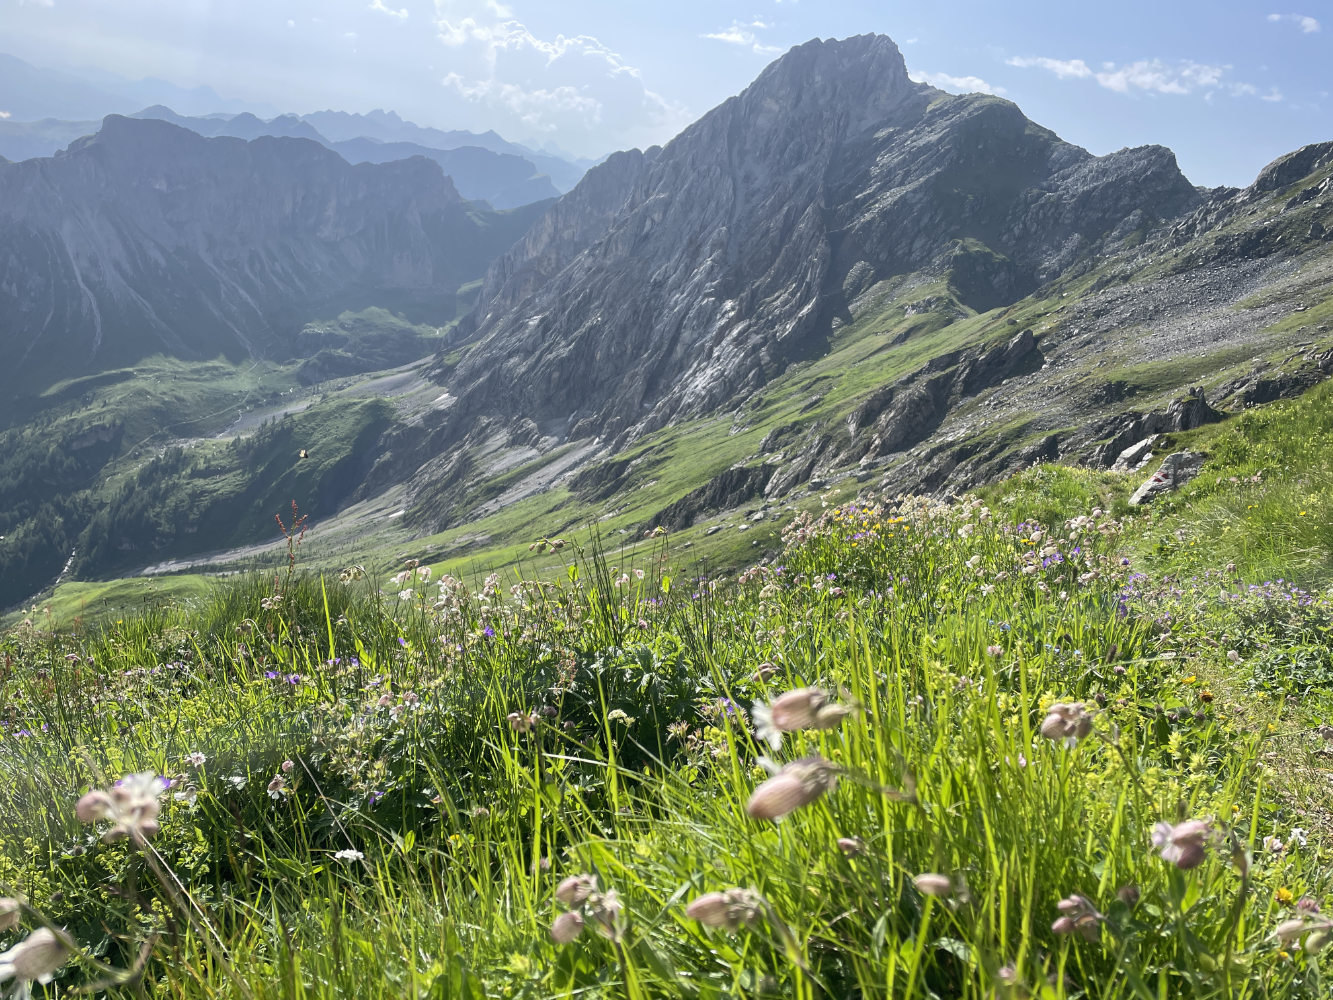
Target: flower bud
[[931, 884], [10, 911], [1129, 895], [1289, 930], [567, 927], [575, 889]]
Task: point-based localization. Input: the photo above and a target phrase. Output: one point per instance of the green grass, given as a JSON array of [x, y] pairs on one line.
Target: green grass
[[396, 718]]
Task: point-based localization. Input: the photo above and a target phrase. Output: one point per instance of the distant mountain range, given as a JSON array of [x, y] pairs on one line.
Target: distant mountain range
[[149, 238], [42, 111]]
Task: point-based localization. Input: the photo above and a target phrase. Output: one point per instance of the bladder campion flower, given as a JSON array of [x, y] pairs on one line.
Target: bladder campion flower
[[10, 911], [36, 957], [1078, 915], [1185, 844], [803, 708], [933, 884], [1067, 721], [728, 909], [797, 784], [131, 804]]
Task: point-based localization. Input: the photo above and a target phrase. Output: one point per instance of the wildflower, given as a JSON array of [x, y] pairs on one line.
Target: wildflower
[[287, 766], [575, 889], [567, 927], [277, 787], [1274, 845], [1185, 844], [385, 700], [10, 911], [851, 846], [1284, 895], [1289, 930], [1068, 721], [606, 909], [931, 884], [798, 784], [994, 650], [189, 796], [727, 909], [1129, 895], [349, 855], [1233, 656], [987, 589], [803, 708], [638, 574], [131, 805], [35, 957], [1307, 905], [1298, 836], [236, 781], [1078, 915], [764, 671], [197, 759]]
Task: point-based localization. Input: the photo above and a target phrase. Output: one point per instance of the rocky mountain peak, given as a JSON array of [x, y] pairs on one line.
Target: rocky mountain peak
[[677, 281]]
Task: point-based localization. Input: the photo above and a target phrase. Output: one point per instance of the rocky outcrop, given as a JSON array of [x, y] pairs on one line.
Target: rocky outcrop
[[671, 282], [725, 490], [1184, 414], [1175, 471]]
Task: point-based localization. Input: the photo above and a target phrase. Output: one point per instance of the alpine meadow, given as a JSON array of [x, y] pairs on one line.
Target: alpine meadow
[[866, 546]]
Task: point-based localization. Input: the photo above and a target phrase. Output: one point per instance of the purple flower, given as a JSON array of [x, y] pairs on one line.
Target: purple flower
[[488, 632], [293, 678], [402, 642], [271, 674], [375, 797]]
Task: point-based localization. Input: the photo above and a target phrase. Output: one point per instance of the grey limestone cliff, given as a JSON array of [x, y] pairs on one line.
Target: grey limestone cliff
[[676, 281]]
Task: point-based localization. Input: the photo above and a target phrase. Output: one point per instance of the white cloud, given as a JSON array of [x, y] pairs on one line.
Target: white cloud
[[4, 115], [740, 34], [291, 23], [1145, 75], [956, 84], [574, 86], [39, 3], [1308, 25], [1273, 95], [1063, 68], [379, 6]]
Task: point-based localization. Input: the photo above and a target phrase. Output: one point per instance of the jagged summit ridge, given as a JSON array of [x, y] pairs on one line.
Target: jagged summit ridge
[[676, 281]]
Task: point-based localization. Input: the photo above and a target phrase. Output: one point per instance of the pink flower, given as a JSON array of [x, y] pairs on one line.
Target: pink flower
[[1185, 844]]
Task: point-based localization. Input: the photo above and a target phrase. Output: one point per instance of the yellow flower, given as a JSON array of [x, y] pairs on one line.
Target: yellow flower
[[1190, 679], [1301, 514], [1285, 896]]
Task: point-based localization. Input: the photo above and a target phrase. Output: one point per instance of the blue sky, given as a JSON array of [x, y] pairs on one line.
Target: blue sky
[[1229, 86]]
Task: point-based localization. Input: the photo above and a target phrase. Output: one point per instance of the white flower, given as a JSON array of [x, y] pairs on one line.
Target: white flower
[[277, 787], [1298, 836], [287, 766], [349, 855], [236, 781], [197, 759], [131, 805], [35, 957], [405, 595], [189, 796]]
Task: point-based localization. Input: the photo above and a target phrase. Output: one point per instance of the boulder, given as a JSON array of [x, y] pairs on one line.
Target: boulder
[[1175, 471], [1135, 455]]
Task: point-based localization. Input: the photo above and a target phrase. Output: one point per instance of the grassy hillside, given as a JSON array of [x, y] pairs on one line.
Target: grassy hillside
[[1020, 700]]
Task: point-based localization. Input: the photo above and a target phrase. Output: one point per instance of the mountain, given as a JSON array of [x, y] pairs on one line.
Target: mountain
[[503, 179], [386, 126], [29, 93], [838, 277], [673, 282], [149, 238], [24, 140]]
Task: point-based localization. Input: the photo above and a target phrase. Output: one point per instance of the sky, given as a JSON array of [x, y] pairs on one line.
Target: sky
[[1228, 85]]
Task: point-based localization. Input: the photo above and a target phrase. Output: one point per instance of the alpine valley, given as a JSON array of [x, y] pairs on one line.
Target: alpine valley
[[839, 274]]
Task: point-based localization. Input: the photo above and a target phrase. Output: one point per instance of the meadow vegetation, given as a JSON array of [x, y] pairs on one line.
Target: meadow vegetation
[[992, 747]]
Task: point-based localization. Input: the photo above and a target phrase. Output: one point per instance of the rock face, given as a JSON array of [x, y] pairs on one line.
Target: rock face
[[676, 281], [1176, 470], [148, 238]]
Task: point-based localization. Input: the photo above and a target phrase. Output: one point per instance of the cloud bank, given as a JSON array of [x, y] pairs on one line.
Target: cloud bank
[[1146, 76], [956, 84]]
